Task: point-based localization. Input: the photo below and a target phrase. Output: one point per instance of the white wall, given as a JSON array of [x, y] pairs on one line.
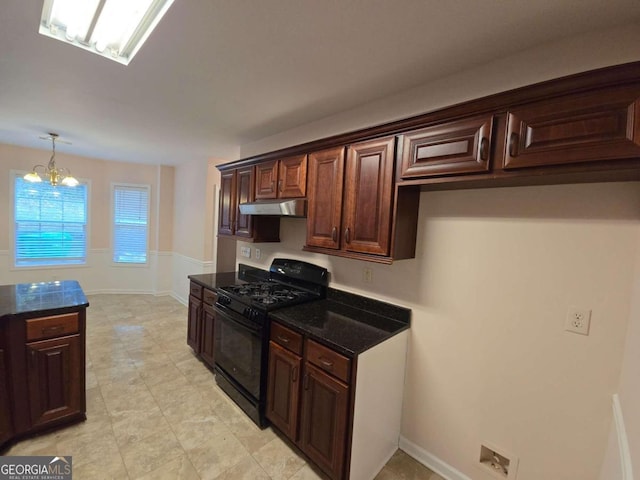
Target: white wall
[[622, 458], [489, 360]]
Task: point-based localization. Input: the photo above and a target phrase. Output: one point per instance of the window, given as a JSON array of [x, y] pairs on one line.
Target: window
[[130, 223], [50, 224]]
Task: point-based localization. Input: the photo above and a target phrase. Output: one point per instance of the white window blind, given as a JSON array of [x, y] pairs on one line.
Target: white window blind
[[50, 224], [130, 223]]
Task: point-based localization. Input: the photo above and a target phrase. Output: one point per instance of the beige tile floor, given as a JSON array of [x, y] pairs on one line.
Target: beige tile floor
[[155, 412]]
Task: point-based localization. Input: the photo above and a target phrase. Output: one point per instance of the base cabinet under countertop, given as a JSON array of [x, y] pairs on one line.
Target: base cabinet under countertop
[[201, 318], [42, 373], [6, 430], [343, 413]]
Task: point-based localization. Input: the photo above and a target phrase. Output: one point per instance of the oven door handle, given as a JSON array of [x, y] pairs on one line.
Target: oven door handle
[[237, 319]]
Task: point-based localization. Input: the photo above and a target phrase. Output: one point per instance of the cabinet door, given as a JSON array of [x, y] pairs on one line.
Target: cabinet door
[[194, 323], [292, 177], [324, 420], [228, 207], [244, 194], [206, 344], [575, 128], [266, 179], [5, 414], [324, 210], [283, 390], [457, 147], [55, 373], [368, 197]]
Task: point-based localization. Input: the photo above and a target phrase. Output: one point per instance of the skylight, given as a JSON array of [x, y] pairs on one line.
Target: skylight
[[115, 29]]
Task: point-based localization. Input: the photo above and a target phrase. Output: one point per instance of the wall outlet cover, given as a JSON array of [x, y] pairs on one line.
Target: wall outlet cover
[[578, 320]]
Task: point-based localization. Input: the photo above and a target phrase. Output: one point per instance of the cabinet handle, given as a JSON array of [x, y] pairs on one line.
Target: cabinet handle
[[53, 329], [326, 363], [347, 235], [283, 339], [273, 184], [484, 149], [33, 357], [305, 382], [294, 375], [513, 144], [334, 234], [280, 185]]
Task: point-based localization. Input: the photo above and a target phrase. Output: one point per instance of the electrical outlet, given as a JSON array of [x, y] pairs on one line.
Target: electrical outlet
[[245, 252], [367, 275], [258, 254], [578, 320]]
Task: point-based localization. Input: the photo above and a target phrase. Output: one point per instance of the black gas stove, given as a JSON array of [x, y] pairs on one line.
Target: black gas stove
[[242, 328]]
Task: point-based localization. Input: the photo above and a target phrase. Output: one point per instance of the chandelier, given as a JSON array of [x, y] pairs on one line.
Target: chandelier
[[55, 175]]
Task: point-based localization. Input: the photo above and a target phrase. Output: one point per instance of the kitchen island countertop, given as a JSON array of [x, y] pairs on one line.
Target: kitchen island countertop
[[41, 298]]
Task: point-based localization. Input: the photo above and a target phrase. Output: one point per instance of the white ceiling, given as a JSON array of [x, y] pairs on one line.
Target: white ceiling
[[216, 74]]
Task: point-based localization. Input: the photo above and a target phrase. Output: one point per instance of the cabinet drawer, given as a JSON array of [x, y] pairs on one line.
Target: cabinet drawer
[[332, 362], [209, 296], [49, 327], [286, 338], [195, 290]]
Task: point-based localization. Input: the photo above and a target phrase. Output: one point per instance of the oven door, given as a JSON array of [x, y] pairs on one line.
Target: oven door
[[238, 349]]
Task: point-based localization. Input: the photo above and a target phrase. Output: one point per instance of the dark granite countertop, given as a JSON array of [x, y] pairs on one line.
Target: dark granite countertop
[[43, 297], [343, 321], [244, 274], [346, 322]]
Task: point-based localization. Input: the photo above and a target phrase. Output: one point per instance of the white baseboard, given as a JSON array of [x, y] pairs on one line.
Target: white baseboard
[[623, 441], [431, 461], [180, 299]]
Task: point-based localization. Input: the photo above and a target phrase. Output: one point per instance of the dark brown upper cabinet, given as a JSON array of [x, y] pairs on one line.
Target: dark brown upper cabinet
[[586, 127], [324, 209], [354, 216], [462, 146], [368, 197], [236, 187], [285, 178]]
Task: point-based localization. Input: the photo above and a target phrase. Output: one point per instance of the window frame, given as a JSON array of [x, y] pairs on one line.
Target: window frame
[[145, 264], [13, 174]]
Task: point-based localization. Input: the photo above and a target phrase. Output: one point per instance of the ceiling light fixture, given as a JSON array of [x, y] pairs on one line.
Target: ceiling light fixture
[[55, 175], [115, 29]]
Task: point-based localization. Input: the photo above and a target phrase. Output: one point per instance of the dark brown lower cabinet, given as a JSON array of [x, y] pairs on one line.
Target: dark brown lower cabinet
[[194, 320], [308, 399], [201, 319], [206, 342], [323, 424], [55, 371], [283, 390], [5, 414]]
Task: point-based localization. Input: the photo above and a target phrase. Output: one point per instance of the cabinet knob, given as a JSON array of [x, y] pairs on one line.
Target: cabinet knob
[[347, 235], [334, 234], [305, 382], [280, 185], [513, 144], [294, 375], [283, 339], [484, 149]]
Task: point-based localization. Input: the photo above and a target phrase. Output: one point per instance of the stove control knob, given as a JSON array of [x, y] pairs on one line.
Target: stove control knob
[[224, 300]]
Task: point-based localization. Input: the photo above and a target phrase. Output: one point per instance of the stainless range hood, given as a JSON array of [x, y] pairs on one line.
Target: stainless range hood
[[294, 207]]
